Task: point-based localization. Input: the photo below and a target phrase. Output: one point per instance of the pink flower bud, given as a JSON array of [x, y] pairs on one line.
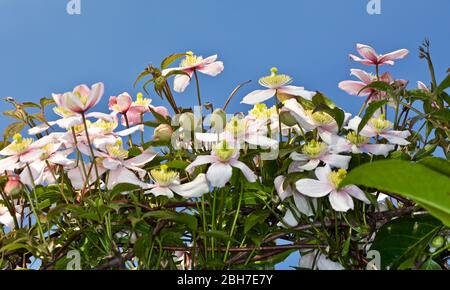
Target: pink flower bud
[[13, 185], [163, 133], [121, 103], [161, 110]]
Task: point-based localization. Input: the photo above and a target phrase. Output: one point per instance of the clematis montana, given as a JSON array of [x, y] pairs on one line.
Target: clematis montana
[[223, 158], [81, 99], [191, 63], [380, 127], [370, 56], [121, 103], [166, 182], [356, 144], [355, 87], [328, 184], [313, 153], [134, 114], [301, 201], [6, 218], [309, 120], [275, 83]]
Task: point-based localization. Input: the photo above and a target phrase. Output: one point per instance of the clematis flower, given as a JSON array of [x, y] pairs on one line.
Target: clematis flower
[[166, 182], [302, 202], [136, 110], [380, 127], [121, 103], [310, 120], [275, 83], [313, 153], [77, 175], [6, 218], [241, 130], [355, 87], [21, 151], [356, 144], [422, 86], [81, 99], [222, 159], [39, 171], [120, 169], [370, 56], [328, 184], [191, 63]]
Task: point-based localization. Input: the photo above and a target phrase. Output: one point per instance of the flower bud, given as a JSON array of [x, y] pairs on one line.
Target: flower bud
[[218, 119], [287, 118], [163, 133], [161, 111], [13, 185], [438, 242]]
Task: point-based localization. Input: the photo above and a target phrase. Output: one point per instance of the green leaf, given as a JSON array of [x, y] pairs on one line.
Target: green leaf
[[321, 99], [379, 85], [177, 164], [437, 164], [189, 220], [220, 235], [444, 85], [337, 114], [430, 264], [404, 238], [30, 105], [170, 59], [442, 115], [426, 186], [256, 217], [123, 188], [46, 101], [371, 109], [12, 129]]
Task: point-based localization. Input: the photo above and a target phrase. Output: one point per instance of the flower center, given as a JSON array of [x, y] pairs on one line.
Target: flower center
[[260, 111], [164, 176], [223, 151], [117, 151], [83, 98], [107, 127], [190, 59], [20, 144], [236, 126], [47, 151], [275, 80], [336, 177], [314, 149], [80, 127], [141, 101], [320, 118], [356, 139], [380, 123]]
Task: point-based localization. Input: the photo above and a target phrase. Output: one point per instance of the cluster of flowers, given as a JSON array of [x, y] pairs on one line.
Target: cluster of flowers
[[91, 152]]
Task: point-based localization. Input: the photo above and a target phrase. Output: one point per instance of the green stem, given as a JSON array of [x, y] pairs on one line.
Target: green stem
[[199, 97], [238, 210]]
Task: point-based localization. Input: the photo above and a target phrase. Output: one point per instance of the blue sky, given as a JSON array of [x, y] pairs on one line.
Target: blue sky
[[45, 50]]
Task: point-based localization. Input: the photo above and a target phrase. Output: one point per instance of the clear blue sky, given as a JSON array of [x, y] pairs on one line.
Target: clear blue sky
[[45, 50]]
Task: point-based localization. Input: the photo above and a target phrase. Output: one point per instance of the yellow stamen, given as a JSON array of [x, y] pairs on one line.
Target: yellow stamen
[[274, 80], [223, 151], [314, 149], [380, 123], [320, 118], [20, 144], [356, 139], [164, 176], [141, 101], [336, 177], [116, 151], [190, 59]]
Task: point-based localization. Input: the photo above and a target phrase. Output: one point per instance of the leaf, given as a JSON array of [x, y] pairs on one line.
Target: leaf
[[404, 238], [30, 105], [46, 101], [321, 99], [220, 235], [426, 186], [371, 109], [170, 59], [430, 264], [337, 114], [12, 129], [443, 85], [379, 85], [189, 220], [256, 217], [140, 76], [437, 164], [177, 164], [123, 188], [442, 115]]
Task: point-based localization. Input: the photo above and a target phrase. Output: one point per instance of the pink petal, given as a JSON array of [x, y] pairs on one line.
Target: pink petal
[[367, 52], [357, 193], [200, 160], [181, 81], [378, 149], [313, 188], [95, 95], [360, 60], [141, 159], [212, 69], [362, 75], [258, 96], [398, 54], [322, 173], [340, 201], [354, 87]]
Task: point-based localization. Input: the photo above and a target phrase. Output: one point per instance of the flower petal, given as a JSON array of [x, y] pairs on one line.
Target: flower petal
[[356, 192], [336, 160], [212, 69], [258, 96], [398, 54], [200, 160], [340, 201], [248, 173], [219, 174], [195, 188], [181, 81], [164, 191], [313, 188], [303, 205], [282, 192]]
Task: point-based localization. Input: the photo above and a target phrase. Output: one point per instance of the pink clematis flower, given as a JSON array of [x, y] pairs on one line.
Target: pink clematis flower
[[166, 182], [6, 218], [137, 109], [328, 184], [275, 83], [81, 99], [355, 87], [222, 159], [380, 127], [301, 201], [121, 103], [191, 63], [370, 56]]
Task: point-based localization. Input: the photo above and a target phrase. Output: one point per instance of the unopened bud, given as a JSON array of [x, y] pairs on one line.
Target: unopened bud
[[13, 185], [287, 118], [218, 119], [438, 242], [163, 133]]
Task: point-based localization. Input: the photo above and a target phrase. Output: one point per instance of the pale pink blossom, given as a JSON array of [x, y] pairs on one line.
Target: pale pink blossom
[[370, 56], [328, 184], [191, 63], [121, 103], [302, 202], [275, 83], [81, 99], [380, 127], [355, 88]]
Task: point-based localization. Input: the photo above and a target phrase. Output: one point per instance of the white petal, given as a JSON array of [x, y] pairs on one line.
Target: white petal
[[313, 188], [340, 201], [130, 130], [195, 188], [141, 159], [297, 91], [322, 173], [112, 164], [378, 149], [123, 175], [200, 160], [219, 174], [289, 219], [356, 192], [248, 173], [258, 96], [336, 160], [310, 165], [164, 191], [302, 204], [282, 192], [212, 69], [180, 82]]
